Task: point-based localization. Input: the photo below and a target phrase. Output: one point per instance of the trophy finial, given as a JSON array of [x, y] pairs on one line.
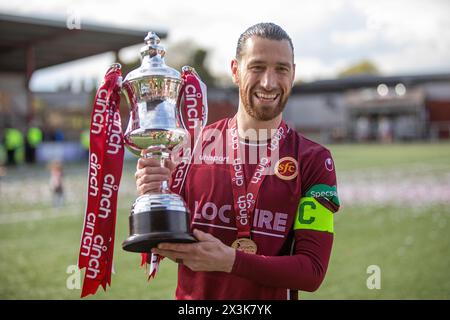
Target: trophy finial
[[152, 46], [152, 61], [152, 38]]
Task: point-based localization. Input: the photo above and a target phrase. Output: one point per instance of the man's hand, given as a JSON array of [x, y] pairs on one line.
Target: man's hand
[[149, 174], [209, 254]]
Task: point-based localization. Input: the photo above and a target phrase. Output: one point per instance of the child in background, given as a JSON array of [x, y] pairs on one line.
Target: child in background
[[56, 183]]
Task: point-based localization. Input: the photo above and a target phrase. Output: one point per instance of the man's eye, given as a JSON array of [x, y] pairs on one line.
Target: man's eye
[[256, 68]]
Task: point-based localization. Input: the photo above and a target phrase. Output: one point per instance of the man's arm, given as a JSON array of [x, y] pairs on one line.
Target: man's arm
[[304, 270]]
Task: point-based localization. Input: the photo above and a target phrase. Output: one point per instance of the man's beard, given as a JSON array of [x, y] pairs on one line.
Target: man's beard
[[263, 113]]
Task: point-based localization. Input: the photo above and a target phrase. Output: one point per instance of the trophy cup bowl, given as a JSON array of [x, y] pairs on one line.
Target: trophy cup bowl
[[152, 92]]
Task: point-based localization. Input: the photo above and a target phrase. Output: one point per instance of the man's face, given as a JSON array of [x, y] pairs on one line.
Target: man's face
[[264, 74]]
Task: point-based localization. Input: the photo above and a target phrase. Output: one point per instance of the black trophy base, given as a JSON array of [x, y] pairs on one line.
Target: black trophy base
[[148, 229]]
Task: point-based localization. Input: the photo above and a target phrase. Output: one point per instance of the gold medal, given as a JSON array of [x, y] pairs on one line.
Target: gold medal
[[246, 245]]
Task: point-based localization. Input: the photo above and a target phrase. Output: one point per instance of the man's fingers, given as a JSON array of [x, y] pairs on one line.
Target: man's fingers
[[149, 187], [150, 183], [172, 255], [170, 164], [149, 174], [153, 162], [152, 171], [148, 162], [151, 178], [177, 247], [203, 236]]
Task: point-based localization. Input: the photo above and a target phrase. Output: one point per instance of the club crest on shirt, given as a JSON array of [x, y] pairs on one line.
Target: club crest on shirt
[[286, 168]]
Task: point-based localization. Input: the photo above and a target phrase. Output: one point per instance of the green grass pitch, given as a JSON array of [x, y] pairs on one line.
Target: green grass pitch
[[395, 214]]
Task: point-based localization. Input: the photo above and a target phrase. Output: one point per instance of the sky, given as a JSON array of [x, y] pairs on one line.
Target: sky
[[399, 36]]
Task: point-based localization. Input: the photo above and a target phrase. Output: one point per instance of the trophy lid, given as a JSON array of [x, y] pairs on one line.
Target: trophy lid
[[152, 54]]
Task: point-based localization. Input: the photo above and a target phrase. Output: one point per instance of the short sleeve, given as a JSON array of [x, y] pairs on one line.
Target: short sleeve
[[319, 178]]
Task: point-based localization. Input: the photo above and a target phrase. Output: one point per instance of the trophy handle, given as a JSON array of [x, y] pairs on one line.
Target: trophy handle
[[192, 110], [180, 104], [190, 69], [114, 67]]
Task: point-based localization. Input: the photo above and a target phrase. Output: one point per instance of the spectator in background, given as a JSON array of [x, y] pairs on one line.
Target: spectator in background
[[14, 144], [385, 130], [58, 135], [56, 183], [362, 129], [2, 174], [33, 139], [84, 141]]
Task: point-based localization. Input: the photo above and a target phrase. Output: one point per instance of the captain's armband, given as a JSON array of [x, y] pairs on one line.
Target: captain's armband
[[312, 215]]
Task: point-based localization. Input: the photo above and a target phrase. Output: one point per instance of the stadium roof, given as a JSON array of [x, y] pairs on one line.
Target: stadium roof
[[27, 44], [362, 81]]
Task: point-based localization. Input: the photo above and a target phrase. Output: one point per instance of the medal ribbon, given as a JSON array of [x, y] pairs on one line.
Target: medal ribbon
[[105, 171], [245, 197]]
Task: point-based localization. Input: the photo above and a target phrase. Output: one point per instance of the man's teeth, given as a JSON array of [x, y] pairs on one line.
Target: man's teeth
[[266, 96]]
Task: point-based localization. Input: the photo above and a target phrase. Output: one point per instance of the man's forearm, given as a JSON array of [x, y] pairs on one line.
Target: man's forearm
[[305, 270]]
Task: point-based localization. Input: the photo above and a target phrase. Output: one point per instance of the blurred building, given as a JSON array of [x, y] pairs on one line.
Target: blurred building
[[222, 103], [373, 108], [385, 109], [28, 44], [70, 112], [362, 108]]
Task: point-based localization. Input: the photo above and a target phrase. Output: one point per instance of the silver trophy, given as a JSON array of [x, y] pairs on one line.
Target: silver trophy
[[152, 92]]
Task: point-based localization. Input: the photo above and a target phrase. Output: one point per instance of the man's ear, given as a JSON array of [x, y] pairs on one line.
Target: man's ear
[[235, 71]]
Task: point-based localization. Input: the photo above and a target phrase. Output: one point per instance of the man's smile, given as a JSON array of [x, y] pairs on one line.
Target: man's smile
[[266, 97]]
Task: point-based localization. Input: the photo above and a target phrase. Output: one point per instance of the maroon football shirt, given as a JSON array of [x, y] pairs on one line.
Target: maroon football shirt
[[294, 243]]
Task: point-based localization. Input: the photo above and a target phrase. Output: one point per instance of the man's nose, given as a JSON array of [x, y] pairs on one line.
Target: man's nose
[[268, 80]]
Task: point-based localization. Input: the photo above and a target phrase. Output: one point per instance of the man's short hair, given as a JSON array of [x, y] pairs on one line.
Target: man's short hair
[[265, 30]]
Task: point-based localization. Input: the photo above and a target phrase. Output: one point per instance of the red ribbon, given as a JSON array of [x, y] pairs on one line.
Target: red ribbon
[[193, 115], [105, 171], [193, 112]]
